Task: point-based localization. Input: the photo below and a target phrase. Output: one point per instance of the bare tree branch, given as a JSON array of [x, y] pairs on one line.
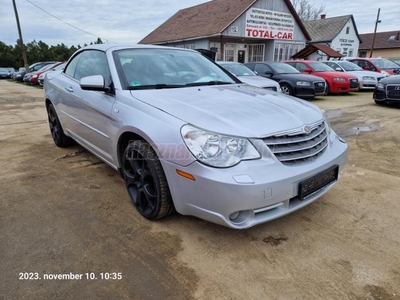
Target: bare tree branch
[[307, 10]]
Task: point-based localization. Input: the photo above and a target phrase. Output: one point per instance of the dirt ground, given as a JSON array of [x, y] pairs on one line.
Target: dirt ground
[[63, 211]]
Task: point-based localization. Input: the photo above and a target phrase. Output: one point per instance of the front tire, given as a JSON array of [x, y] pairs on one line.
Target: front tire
[[286, 89], [59, 138], [145, 181]]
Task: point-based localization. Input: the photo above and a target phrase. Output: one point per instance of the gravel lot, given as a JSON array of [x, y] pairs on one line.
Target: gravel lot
[[63, 211]]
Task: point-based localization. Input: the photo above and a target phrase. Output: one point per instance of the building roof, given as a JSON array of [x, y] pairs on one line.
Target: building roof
[[383, 40], [205, 20], [326, 29], [309, 49]]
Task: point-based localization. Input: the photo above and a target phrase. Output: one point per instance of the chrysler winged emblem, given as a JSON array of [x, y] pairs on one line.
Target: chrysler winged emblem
[[306, 129]]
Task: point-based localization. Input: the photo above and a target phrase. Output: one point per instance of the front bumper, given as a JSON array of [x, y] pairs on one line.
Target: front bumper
[[262, 189]]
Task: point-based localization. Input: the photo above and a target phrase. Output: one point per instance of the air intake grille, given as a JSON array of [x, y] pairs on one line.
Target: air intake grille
[[298, 148]]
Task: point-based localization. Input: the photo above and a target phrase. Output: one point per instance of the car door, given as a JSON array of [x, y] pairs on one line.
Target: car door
[[263, 70], [87, 114]]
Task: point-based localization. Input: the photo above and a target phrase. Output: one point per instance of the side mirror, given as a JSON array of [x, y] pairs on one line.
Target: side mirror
[[93, 83], [255, 72], [268, 74], [338, 69]]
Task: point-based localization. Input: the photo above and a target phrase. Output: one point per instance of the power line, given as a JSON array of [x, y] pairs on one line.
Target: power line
[[50, 14]]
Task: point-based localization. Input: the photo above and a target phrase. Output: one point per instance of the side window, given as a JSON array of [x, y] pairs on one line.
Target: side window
[[262, 69], [301, 67], [359, 63], [88, 63], [371, 66], [70, 69]]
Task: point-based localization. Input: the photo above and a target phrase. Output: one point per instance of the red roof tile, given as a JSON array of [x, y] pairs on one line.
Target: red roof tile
[[383, 40]]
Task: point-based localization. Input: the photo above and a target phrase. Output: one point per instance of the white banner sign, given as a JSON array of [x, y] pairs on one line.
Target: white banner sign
[[268, 24]]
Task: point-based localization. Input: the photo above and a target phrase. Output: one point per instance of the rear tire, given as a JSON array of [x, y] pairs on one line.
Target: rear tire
[[59, 138], [145, 181]]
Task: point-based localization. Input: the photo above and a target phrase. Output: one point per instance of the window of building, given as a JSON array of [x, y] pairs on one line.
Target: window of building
[[363, 54], [351, 51], [189, 46], [348, 30], [256, 52], [229, 55], [216, 47], [284, 51]]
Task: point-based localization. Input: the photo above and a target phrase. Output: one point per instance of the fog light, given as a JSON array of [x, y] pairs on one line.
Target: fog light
[[234, 215], [240, 217]]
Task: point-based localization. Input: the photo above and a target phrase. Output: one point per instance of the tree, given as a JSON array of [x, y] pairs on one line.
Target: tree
[[307, 10]]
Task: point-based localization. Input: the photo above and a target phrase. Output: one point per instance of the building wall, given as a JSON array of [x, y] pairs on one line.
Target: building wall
[[393, 53], [275, 42], [347, 42]]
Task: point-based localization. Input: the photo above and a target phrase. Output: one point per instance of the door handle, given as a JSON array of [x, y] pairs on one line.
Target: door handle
[[69, 89]]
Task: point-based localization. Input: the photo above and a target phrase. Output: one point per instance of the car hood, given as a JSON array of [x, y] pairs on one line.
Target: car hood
[[300, 77], [333, 74], [365, 73], [258, 81], [239, 110]]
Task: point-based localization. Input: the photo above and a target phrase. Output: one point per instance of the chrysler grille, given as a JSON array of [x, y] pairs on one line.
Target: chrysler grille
[[300, 147]]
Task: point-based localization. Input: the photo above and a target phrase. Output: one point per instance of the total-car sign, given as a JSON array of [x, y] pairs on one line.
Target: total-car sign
[[268, 24]]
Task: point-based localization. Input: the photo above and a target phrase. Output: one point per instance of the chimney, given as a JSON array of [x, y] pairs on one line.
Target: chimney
[[323, 16]]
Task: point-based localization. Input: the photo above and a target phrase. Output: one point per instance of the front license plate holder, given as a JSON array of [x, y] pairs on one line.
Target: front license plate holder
[[313, 184]]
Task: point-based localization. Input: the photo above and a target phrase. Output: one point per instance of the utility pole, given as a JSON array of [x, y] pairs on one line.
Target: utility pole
[[20, 39], [374, 36]]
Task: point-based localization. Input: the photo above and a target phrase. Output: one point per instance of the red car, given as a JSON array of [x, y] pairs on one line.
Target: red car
[[35, 77], [336, 82], [380, 65]]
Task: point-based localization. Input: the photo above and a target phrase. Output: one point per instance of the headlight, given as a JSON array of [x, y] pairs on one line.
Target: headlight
[[34, 76], [217, 150], [368, 78], [327, 124], [380, 86], [303, 83], [339, 79]]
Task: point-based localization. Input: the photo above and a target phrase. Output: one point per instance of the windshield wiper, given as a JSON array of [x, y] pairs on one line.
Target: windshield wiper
[[157, 86], [213, 82]]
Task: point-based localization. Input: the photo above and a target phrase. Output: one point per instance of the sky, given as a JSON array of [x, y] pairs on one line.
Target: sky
[[128, 21]]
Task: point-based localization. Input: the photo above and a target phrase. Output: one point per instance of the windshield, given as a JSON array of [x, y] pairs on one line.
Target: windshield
[[385, 64], [282, 68], [238, 69], [167, 68], [320, 67], [349, 66]]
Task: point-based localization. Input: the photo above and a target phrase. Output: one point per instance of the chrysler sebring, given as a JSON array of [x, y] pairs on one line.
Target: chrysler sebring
[[187, 135]]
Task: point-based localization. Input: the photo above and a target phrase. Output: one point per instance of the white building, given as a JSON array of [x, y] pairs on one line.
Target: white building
[[240, 30], [340, 33]]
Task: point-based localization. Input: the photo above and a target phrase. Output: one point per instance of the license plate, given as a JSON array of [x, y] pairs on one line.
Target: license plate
[[313, 184]]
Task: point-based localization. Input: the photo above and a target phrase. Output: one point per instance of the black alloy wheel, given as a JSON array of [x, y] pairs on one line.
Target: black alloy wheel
[[59, 138], [145, 181]]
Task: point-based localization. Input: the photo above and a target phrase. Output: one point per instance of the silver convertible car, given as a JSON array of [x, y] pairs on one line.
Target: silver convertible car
[[187, 135]]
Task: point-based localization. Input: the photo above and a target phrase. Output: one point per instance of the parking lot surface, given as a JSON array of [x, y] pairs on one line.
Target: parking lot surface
[[65, 213]]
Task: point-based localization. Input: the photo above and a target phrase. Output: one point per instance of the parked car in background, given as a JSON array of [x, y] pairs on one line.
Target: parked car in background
[[12, 71], [380, 65], [248, 76], [174, 123], [19, 76], [292, 82], [338, 83], [368, 80], [57, 68], [35, 76], [388, 90], [4, 73]]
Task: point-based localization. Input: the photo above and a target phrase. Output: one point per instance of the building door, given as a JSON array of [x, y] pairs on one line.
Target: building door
[[241, 56]]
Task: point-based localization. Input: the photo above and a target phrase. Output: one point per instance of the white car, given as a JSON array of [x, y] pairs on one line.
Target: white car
[[368, 80], [248, 76]]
